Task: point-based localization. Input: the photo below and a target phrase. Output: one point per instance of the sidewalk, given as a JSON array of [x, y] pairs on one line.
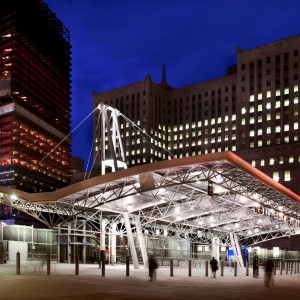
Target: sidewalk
[[63, 284]]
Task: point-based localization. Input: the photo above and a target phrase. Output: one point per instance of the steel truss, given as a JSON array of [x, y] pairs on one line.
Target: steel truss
[[172, 200]]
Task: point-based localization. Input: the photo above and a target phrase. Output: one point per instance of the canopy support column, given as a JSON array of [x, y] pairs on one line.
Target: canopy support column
[[141, 239], [131, 241], [236, 248]]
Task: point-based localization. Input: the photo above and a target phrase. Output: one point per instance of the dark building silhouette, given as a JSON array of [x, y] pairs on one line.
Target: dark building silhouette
[[253, 111], [35, 68]]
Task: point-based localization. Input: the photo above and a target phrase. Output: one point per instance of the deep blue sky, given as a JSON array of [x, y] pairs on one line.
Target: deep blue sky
[[117, 42]]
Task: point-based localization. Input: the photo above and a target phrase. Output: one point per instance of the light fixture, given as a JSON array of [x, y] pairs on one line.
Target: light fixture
[[210, 189]]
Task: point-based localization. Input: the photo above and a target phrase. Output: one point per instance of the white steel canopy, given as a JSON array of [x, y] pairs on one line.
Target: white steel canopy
[[195, 198]]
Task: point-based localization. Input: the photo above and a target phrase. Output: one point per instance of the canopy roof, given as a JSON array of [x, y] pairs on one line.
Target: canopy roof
[[199, 196]]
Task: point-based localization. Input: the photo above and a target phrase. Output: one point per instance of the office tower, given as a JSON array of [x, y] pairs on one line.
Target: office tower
[[253, 111], [35, 97]]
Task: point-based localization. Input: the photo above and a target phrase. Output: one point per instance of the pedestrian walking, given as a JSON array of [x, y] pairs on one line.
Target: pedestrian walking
[[152, 267], [214, 267], [269, 268]]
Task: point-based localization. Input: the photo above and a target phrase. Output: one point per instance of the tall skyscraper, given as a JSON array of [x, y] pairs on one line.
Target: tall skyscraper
[[35, 68], [253, 111]]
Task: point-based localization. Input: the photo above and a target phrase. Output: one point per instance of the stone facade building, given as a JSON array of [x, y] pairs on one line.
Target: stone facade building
[[253, 111]]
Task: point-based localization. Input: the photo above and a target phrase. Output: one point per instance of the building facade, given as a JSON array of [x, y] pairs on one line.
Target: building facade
[[253, 111], [35, 91]]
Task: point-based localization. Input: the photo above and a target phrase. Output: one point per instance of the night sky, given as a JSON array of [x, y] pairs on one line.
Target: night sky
[[118, 42]]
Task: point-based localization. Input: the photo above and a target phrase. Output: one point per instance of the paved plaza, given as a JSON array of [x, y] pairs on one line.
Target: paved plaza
[[62, 283]]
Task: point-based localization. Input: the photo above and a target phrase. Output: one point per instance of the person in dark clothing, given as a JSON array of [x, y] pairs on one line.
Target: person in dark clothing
[[152, 267], [255, 265], [269, 268], [214, 267]]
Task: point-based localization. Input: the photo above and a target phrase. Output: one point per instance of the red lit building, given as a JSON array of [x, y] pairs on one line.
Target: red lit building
[[35, 80]]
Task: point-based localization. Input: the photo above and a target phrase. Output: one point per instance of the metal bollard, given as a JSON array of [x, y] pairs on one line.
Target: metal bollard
[[171, 267], [127, 265], [235, 268], [18, 263], [291, 267], [103, 265], [222, 268], [286, 268], [247, 268], [190, 267], [48, 263], [76, 264], [206, 268], [275, 267], [281, 267]]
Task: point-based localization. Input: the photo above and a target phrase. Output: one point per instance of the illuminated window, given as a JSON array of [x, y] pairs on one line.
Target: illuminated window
[[259, 107], [277, 116], [233, 117], [277, 129], [213, 121], [268, 106], [252, 98], [296, 100], [286, 127], [277, 104], [259, 143], [268, 117], [268, 130], [243, 110], [251, 109], [259, 119], [291, 159], [277, 92], [287, 176], [276, 176], [286, 139], [253, 163], [262, 162], [296, 88], [252, 145], [252, 133], [272, 160], [286, 91], [268, 94], [252, 120], [281, 160], [259, 96], [286, 102]]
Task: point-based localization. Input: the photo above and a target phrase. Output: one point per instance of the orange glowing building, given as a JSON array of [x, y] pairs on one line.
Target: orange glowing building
[[35, 68]]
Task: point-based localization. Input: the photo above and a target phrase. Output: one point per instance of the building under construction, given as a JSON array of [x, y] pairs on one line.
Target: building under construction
[[35, 69]]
